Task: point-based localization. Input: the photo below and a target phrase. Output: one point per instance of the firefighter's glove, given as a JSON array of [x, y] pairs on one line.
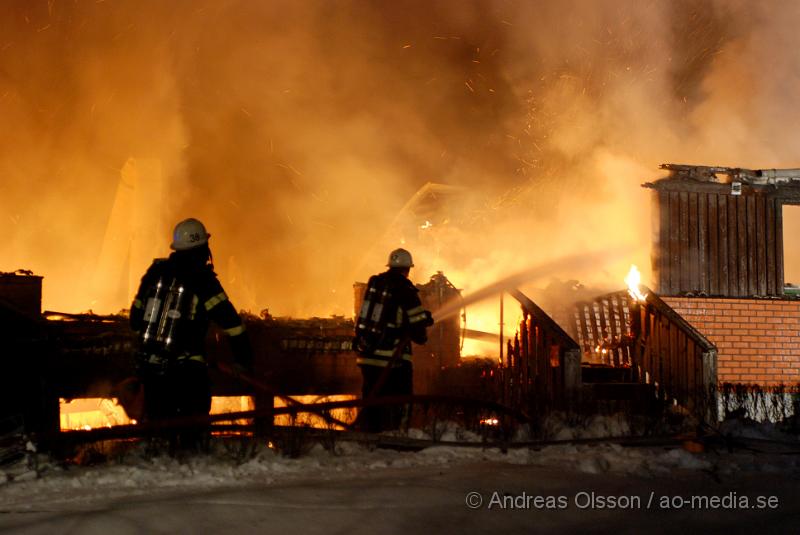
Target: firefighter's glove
[[428, 321]]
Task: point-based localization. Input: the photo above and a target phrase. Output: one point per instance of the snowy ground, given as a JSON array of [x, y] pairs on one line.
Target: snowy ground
[[360, 490]]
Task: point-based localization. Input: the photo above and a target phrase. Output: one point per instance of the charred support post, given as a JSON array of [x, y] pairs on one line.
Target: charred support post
[[501, 327], [710, 382], [572, 377]]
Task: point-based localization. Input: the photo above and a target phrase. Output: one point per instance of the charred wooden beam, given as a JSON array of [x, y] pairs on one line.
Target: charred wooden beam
[[546, 321]]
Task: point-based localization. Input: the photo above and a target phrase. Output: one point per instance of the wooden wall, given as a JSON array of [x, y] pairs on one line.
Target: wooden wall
[[714, 243]]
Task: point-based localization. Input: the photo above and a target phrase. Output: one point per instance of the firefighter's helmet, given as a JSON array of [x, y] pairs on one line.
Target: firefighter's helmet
[[400, 258], [188, 234]]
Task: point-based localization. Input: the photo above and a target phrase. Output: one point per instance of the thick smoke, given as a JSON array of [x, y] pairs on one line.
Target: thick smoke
[[299, 130]]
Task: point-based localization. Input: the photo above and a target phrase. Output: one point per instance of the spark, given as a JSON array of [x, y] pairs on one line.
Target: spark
[[469, 86]]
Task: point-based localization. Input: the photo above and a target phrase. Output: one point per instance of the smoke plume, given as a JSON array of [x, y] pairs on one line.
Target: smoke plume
[[298, 132]]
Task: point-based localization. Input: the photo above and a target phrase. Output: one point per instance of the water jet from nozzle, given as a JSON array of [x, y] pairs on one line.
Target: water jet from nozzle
[[572, 263]]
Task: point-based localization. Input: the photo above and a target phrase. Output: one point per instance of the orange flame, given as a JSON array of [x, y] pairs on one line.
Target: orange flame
[[633, 280]]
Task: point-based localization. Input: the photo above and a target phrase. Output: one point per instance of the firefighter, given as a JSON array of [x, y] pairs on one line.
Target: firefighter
[[391, 317], [177, 298]]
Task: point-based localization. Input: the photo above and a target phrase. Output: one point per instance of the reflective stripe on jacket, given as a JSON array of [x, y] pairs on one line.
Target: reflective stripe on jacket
[[407, 322]]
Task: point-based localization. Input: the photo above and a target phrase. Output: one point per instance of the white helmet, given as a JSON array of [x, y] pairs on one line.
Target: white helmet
[[188, 234], [400, 258]]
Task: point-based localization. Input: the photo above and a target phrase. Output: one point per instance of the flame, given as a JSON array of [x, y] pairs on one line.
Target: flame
[[90, 413], [633, 280], [226, 404], [485, 316], [346, 415]]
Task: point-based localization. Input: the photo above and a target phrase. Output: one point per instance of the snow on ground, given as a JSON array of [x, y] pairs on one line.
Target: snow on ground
[[356, 489], [137, 473]]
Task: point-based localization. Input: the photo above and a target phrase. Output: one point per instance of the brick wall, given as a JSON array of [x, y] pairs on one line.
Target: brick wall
[[758, 340]]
